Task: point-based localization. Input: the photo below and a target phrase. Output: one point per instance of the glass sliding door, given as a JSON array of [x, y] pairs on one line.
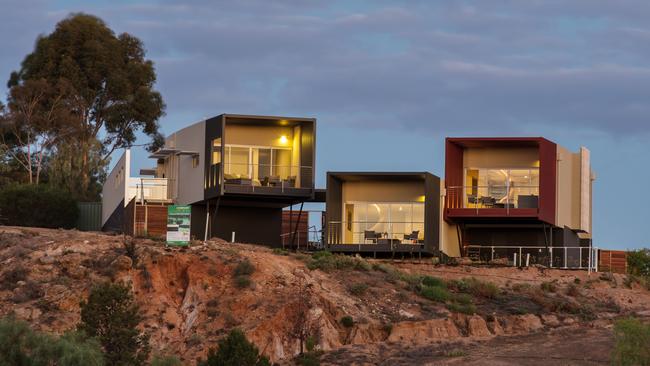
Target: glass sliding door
[[501, 188], [394, 222]]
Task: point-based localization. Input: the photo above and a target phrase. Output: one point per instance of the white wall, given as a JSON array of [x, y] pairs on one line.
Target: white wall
[[116, 186], [187, 182]]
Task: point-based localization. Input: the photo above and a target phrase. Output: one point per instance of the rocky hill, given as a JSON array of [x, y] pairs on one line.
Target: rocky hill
[[362, 311]]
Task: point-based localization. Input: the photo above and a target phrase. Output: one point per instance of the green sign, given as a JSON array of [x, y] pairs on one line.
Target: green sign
[[178, 225]]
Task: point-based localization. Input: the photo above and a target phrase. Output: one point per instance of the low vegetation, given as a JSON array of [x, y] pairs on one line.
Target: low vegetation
[[632, 343], [112, 316], [20, 345], [326, 261], [358, 289], [38, 206], [347, 321], [235, 350], [242, 273]]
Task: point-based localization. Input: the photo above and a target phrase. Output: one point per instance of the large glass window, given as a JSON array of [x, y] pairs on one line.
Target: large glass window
[[265, 166], [381, 222], [502, 188]]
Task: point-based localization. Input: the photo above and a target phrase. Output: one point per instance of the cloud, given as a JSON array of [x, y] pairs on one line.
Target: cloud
[[490, 66]]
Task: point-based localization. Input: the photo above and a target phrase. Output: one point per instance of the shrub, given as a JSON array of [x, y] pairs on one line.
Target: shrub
[[280, 251], [572, 290], [242, 281], [112, 316], [480, 288], [548, 286], [433, 281], [309, 359], [244, 268], [358, 289], [38, 205], [326, 261], [30, 291], [165, 361], [435, 293], [235, 350], [19, 345], [638, 262], [632, 343], [468, 309], [10, 279], [463, 299], [347, 321]]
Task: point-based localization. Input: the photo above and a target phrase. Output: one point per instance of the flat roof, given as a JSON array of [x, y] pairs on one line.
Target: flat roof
[[497, 141], [386, 176]]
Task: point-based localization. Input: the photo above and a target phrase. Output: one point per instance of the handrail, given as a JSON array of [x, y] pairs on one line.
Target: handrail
[[553, 257]]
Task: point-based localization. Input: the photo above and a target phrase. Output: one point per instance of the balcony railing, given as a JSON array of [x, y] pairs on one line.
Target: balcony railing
[[493, 196], [267, 175], [152, 189], [524, 256], [375, 232]]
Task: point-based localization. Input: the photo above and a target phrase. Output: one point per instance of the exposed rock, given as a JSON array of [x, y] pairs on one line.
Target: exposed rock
[[500, 261], [550, 320], [424, 331], [367, 333], [46, 259], [519, 324], [122, 263]]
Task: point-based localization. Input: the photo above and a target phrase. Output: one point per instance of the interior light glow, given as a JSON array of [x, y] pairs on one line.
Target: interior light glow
[[283, 139]]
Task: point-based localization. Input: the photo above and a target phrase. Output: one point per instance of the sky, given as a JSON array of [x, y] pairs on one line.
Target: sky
[[389, 80]]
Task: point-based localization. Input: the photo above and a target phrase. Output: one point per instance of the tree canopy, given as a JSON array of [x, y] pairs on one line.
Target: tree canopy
[[109, 93]]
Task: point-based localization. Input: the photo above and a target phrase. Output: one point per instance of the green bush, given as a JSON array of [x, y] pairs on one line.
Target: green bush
[[242, 281], [468, 309], [38, 205], [19, 345], [235, 350], [347, 321], [433, 281], [548, 286], [638, 262], [165, 361], [358, 289], [632, 343], [480, 288], [463, 299], [435, 293], [112, 316], [244, 268], [326, 261]]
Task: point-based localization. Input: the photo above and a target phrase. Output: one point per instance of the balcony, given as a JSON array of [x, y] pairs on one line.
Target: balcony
[[493, 200], [151, 190], [375, 236], [271, 179]]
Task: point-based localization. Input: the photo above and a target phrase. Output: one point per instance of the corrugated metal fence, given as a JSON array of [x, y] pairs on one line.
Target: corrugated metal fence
[[90, 216]]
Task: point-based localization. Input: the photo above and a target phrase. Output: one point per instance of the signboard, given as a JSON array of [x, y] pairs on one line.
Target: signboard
[[178, 225]]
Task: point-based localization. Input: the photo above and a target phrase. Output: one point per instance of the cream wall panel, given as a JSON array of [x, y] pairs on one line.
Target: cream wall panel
[[501, 157], [187, 182]]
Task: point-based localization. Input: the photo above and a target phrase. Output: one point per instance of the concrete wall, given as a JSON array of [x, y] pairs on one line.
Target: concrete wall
[[115, 188], [186, 180], [517, 157]]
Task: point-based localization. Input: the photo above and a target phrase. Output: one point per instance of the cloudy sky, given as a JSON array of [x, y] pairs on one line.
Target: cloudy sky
[[388, 80]]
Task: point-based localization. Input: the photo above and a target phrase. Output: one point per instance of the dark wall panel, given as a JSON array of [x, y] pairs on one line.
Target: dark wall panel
[[333, 208], [453, 174], [307, 148], [213, 130], [432, 214], [256, 225], [547, 181]]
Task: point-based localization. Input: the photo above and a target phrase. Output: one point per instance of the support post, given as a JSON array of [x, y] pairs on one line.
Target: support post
[[293, 237], [207, 222]]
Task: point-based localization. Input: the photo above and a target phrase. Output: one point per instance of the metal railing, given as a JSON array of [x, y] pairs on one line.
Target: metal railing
[[375, 232], [305, 239], [152, 189], [523, 256], [267, 175], [493, 196]]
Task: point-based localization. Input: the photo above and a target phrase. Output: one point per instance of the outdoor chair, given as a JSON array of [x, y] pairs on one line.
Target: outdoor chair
[[369, 235]]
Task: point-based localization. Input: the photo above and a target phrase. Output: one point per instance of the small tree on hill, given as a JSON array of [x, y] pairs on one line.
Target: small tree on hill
[[112, 315], [235, 350]]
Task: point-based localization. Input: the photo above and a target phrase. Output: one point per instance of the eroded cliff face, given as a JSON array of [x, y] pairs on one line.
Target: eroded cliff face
[[190, 299]]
